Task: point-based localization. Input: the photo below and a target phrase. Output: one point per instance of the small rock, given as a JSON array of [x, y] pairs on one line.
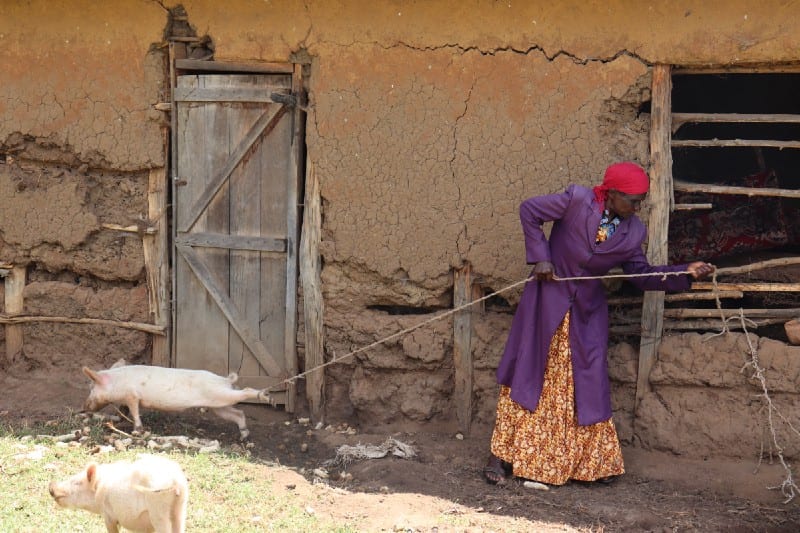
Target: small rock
[[535, 485], [321, 473], [459, 436], [303, 421], [304, 447]]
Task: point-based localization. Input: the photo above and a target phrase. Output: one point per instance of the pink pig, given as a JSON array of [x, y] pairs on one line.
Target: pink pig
[[168, 389], [149, 494]]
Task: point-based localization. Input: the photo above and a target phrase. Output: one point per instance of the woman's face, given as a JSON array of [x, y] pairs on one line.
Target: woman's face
[[623, 204]]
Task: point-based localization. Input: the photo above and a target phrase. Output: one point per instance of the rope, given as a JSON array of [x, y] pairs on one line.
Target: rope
[[291, 380]]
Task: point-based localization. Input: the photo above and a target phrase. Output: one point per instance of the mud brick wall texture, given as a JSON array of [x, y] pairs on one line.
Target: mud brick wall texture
[[427, 125]]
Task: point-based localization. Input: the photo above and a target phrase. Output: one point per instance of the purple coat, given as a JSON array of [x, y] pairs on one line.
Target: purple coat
[[573, 252]]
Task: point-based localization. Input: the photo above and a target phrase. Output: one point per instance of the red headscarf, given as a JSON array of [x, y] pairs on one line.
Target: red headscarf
[[625, 177]]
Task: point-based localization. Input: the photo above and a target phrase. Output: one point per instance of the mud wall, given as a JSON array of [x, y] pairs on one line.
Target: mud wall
[[427, 125]]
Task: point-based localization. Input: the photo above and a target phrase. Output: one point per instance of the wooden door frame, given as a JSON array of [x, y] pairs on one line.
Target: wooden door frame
[[179, 65]]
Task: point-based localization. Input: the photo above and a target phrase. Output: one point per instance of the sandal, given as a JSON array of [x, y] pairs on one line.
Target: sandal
[[496, 470], [608, 480]]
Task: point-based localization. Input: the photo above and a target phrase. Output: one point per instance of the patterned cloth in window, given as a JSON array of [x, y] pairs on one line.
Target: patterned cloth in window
[[607, 227]]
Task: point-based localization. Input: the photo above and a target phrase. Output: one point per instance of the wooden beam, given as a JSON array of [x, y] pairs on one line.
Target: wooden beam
[[130, 229], [462, 346], [707, 324], [679, 297], [14, 305], [294, 187], [224, 94], [177, 52], [759, 265], [686, 70], [747, 287], [147, 328], [661, 200], [719, 313], [685, 186], [678, 119], [224, 66], [709, 143], [690, 207], [232, 242], [156, 262], [313, 303]]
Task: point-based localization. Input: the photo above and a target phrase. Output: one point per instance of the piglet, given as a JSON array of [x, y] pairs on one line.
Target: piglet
[[149, 494], [168, 389]]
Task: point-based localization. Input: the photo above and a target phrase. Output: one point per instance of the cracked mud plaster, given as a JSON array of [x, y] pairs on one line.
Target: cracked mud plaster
[[424, 159], [424, 156], [54, 214], [702, 404], [100, 110], [53, 217]]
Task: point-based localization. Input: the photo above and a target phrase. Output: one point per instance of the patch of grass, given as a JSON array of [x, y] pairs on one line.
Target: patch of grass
[[228, 492]]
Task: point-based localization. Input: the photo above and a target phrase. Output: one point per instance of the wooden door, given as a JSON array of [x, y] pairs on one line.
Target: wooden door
[[235, 202]]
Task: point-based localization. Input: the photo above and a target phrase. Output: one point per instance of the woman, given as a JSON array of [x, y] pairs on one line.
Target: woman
[[554, 412]]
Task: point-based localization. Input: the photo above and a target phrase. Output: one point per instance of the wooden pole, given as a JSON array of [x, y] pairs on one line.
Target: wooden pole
[[156, 263], [148, 328], [462, 346], [685, 186], [14, 305], [760, 265], [679, 297], [747, 287], [661, 199], [313, 304]]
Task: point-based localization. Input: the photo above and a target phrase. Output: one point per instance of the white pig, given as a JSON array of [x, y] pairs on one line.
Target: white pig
[[168, 389], [149, 494]]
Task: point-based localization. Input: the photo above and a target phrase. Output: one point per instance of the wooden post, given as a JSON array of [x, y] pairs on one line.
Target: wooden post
[[177, 51], [14, 305], [462, 346], [661, 198], [156, 264], [313, 304], [294, 233]]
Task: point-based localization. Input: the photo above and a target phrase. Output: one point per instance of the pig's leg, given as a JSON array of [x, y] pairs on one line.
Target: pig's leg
[[178, 511], [133, 407], [112, 526], [159, 507], [232, 414]]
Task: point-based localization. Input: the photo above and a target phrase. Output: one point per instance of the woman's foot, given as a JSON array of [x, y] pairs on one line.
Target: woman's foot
[[496, 470]]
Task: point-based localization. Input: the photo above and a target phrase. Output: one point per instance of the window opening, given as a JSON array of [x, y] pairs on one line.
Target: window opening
[[736, 180]]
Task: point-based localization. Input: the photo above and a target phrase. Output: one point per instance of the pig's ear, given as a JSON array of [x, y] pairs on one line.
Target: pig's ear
[[91, 471], [91, 374], [120, 362]]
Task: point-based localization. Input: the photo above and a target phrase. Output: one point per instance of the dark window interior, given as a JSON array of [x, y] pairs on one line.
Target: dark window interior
[[739, 229]]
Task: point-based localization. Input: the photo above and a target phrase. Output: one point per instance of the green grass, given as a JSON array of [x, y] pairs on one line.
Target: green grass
[[229, 492]]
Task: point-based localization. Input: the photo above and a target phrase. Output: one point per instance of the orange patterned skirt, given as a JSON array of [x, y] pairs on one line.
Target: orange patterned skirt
[[548, 445]]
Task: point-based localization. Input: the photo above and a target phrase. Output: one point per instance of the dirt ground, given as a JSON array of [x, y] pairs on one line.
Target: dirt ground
[[441, 488]]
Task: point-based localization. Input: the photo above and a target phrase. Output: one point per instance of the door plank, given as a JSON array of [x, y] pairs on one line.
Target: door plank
[[225, 304], [234, 242], [263, 126], [262, 94], [245, 289], [201, 329]]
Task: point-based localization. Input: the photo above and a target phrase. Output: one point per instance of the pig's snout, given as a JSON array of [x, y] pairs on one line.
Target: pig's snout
[[92, 405], [55, 491]]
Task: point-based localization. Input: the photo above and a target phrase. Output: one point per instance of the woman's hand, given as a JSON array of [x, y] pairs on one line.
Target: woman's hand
[[700, 269], [543, 270]]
